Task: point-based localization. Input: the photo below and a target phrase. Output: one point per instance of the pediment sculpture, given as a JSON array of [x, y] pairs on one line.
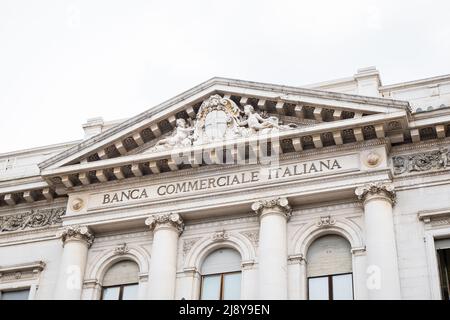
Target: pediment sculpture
[[220, 119]]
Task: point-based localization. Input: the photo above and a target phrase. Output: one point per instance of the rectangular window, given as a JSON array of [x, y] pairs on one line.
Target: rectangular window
[[332, 287], [232, 286], [444, 272], [15, 294], [122, 292], [225, 286]]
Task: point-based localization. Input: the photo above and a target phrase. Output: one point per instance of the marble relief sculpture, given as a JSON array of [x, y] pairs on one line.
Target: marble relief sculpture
[[220, 119], [421, 162], [180, 137]]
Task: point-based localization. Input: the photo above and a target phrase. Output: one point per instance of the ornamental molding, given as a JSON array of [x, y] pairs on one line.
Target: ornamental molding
[[279, 205], [253, 236], [80, 233], [187, 173], [121, 249], [188, 244], [170, 219], [377, 188], [418, 146], [34, 218], [425, 161], [325, 222], [21, 271], [435, 218], [220, 236], [296, 259], [219, 223]]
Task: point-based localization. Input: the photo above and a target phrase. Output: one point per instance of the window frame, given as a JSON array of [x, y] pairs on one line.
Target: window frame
[[222, 275], [120, 286], [443, 266], [330, 284], [24, 288]]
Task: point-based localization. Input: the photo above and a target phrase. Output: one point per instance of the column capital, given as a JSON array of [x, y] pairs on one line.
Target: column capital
[[277, 205], [376, 189], [172, 220], [79, 233]]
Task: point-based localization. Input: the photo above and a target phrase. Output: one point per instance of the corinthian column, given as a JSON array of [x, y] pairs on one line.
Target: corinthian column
[[76, 242], [273, 247], [382, 267], [163, 265]]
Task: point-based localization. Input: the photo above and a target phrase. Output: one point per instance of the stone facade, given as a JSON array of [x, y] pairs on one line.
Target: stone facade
[[263, 169]]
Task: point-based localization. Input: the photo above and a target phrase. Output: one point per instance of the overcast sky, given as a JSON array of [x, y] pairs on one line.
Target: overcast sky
[[62, 62]]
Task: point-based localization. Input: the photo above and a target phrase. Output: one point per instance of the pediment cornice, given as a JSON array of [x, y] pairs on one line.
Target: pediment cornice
[[165, 113]]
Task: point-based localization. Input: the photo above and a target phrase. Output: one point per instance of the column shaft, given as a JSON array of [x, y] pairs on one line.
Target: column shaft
[[163, 264], [77, 241], [382, 265], [273, 248]]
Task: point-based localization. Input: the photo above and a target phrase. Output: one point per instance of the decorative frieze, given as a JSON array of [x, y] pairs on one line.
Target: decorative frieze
[[279, 204], [424, 161], [170, 219], [31, 219], [77, 233], [386, 189]]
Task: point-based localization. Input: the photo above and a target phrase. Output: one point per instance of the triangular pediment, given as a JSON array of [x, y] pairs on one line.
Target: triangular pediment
[[291, 105], [223, 112]]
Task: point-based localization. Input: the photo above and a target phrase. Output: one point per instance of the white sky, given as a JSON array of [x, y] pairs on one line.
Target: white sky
[[64, 61]]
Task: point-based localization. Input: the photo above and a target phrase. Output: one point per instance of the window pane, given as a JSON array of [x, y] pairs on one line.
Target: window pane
[[232, 286], [211, 287], [15, 295], [111, 293], [130, 292], [343, 287], [318, 288]]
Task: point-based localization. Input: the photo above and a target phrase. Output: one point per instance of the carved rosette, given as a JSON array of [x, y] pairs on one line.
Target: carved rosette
[[80, 233], [378, 188], [277, 205], [166, 220]]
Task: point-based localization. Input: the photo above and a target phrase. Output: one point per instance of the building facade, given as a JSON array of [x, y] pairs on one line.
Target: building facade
[[240, 190]]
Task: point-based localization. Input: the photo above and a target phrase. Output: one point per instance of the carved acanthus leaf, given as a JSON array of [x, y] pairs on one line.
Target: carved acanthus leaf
[[77, 233], [279, 204], [386, 189], [172, 219]]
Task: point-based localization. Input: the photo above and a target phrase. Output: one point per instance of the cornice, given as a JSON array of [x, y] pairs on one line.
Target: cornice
[[219, 84], [306, 155]]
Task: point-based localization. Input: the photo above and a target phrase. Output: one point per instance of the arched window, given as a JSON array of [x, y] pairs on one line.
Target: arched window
[[121, 281], [329, 269], [221, 275]]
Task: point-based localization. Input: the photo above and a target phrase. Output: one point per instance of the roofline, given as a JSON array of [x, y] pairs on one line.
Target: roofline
[[404, 105], [39, 149], [414, 83]]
